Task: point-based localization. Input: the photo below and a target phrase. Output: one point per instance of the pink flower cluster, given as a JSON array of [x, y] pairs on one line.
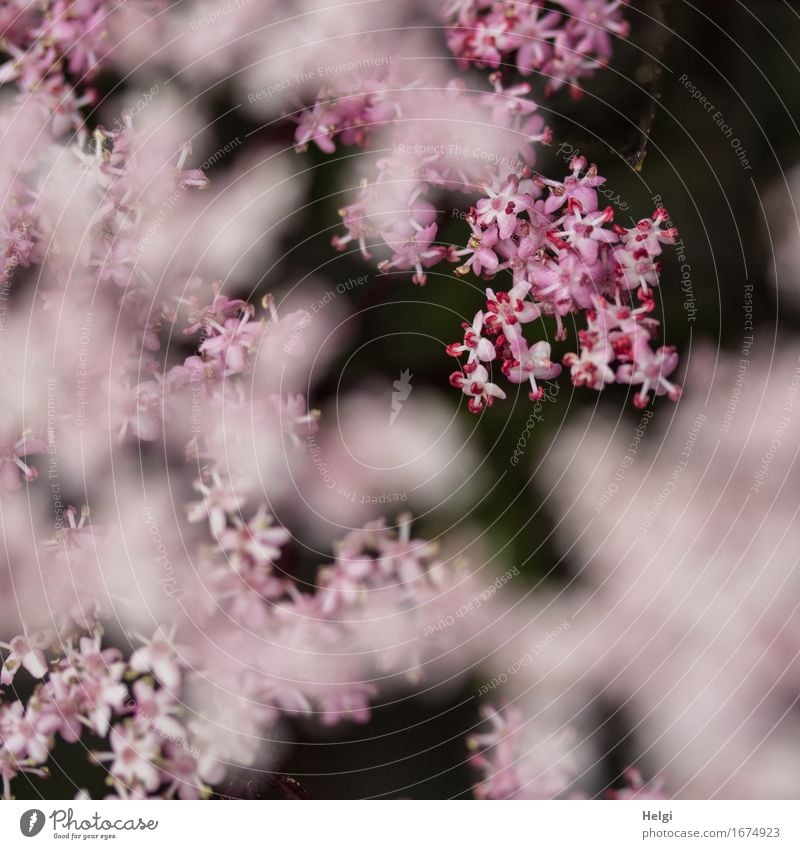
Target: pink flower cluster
[[21, 235], [565, 256], [98, 208], [563, 40], [84, 689], [515, 763], [55, 49], [515, 766], [145, 701], [162, 730], [429, 158], [349, 112], [97, 212]]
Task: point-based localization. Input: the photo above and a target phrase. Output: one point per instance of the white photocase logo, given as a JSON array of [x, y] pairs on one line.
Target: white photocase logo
[[31, 822], [402, 389]]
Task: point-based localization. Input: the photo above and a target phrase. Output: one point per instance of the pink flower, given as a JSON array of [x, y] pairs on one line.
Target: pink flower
[[585, 233], [591, 21], [22, 654], [651, 370], [11, 766], [648, 234], [218, 311], [258, 539], [591, 368], [284, 335], [530, 364], [480, 247], [346, 582], [567, 284], [157, 708], [413, 251], [159, 656], [62, 705], [294, 417], [139, 411], [515, 764], [538, 29], [22, 734], [503, 206], [376, 561], [478, 347], [13, 470], [508, 310], [219, 501], [134, 750], [575, 188], [636, 269], [99, 675], [474, 382], [564, 47], [183, 770], [232, 341]]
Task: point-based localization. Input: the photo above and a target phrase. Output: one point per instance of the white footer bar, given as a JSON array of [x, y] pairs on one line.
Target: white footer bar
[[402, 824]]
